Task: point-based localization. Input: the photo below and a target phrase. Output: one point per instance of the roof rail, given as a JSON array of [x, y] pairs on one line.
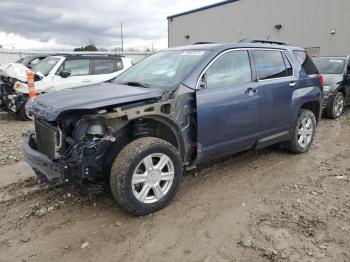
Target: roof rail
[[102, 55], [245, 40], [203, 43]]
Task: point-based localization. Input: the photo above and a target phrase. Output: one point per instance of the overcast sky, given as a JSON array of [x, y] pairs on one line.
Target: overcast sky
[[64, 24]]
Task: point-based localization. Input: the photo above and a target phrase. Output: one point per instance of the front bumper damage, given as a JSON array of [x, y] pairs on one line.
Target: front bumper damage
[[83, 166], [10, 99]]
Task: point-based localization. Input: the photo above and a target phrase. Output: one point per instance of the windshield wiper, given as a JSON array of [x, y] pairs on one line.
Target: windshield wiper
[[135, 83]]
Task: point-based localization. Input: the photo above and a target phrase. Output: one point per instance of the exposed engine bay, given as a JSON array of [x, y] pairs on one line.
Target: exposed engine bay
[[83, 145]]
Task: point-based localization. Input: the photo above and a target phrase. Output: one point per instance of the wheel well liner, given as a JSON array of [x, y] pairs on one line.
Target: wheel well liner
[[313, 106]]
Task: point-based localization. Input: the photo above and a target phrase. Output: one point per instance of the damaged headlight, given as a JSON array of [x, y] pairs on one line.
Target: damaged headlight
[[91, 126]]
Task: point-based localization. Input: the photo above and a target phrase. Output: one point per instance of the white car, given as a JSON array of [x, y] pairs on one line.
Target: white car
[[56, 73]]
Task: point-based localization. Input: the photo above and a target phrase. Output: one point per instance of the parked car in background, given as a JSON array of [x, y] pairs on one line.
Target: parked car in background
[[31, 60], [174, 110], [336, 90], [55, 73]]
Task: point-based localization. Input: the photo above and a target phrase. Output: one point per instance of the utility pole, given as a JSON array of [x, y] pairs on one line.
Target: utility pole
[[121, 35]]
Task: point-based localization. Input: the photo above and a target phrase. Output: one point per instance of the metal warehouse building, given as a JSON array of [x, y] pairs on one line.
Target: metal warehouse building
[[322, 26]]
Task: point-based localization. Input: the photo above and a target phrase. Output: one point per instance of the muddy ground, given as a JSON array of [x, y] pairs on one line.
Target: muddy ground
[[257, 206]]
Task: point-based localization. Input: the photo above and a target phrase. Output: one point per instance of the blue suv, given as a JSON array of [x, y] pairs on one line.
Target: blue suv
[[172, 111]]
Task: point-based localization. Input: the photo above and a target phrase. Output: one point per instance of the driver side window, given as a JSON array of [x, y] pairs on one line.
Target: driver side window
[[230, 69]]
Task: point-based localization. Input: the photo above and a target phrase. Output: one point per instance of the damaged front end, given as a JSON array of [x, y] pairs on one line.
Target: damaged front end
[[12, 82], [78, 140], [59, 154], [10, 100]]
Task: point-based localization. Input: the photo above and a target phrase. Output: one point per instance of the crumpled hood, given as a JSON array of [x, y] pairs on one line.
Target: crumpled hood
[[49, 106], [331, 79], [14, 70]]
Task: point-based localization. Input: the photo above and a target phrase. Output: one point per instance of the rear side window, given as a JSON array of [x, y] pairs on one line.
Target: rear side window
[[230, 69], [271, 64], [306, 62], [103, 66], [77, 67]]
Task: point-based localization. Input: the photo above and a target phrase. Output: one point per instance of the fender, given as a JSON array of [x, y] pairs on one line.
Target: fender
[[303, 96]]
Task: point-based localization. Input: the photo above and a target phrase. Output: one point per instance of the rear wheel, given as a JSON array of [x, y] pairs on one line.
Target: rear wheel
[[304, 132], [146, 175], [335, 106]]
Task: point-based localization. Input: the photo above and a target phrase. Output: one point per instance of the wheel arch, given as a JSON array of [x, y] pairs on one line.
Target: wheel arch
[[313, 106], [157, 126]]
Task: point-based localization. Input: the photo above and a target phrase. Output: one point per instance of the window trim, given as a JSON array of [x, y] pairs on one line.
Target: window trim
[[221, 54], [114, 63], [90, 64], [281, 51]]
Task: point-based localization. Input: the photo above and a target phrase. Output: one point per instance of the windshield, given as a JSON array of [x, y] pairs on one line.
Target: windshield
[[165, 69], [330, 65], [46, 65]]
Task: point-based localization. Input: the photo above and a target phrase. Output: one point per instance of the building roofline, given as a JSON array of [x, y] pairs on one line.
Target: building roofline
[[202, 8]]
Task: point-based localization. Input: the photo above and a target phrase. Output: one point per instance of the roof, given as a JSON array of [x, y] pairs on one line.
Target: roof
[[224, 46], [88, 55], [202, 8], [330, 57]]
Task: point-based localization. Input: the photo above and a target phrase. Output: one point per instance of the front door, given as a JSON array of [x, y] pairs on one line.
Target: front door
[[227, 106], [80, 74]]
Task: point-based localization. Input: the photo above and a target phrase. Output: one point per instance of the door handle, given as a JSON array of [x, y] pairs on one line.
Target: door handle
[[251, 91], [85, 81], [292, 84]]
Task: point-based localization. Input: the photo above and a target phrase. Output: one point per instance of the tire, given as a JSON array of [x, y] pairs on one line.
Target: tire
[[297, 144], [22, 114], [131, 165], [335, 107]]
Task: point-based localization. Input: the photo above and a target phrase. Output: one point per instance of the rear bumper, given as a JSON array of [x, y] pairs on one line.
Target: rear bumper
[[47, 170]]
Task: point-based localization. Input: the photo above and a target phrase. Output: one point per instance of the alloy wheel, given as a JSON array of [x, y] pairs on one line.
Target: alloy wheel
[[305, 131], [152, 178], [338, 105]]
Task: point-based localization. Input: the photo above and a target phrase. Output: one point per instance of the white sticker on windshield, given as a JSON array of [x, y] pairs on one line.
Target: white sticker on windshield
[[193, 52], [335, 61], [51, 62]]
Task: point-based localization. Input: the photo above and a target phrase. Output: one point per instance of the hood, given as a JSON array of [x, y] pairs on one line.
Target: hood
[[331, 79], [49, 106], [14, 70]]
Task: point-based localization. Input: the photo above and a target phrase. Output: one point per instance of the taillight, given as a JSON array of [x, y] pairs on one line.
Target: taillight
[[321, 81]]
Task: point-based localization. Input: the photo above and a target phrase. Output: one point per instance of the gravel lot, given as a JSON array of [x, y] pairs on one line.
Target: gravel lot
[[257, 206]]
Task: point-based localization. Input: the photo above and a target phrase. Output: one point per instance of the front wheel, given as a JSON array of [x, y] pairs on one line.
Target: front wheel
[[304, 132], [146, 175]]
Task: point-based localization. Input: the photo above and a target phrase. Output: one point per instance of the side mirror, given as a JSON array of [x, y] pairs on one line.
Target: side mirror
[[203, 82], [65, 73]]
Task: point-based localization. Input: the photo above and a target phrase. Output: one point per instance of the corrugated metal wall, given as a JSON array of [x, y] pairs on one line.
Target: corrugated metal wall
[[306, 23], [8, 56]]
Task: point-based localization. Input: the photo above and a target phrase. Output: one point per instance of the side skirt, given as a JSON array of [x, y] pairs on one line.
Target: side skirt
[[274, 139]]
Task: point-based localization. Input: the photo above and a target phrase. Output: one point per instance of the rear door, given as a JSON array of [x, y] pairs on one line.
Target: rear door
[[276, 84], [80, 74], [227, 106]]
